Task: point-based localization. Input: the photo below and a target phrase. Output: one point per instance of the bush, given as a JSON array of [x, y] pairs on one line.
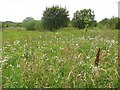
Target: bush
[[118, 24], [38, 25], [29, 23], [110, 23], [84, 19], [10, 25], [55, 17]]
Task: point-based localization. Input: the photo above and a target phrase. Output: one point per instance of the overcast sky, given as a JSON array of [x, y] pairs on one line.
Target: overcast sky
[[17, 10]]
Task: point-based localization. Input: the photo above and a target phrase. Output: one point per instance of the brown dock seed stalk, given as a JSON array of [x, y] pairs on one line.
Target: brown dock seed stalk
[[97, 57]]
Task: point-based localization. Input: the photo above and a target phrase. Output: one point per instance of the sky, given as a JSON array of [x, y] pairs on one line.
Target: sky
[[18, 10]]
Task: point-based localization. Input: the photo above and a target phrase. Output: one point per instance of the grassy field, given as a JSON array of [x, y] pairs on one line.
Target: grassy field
[[61, 59]]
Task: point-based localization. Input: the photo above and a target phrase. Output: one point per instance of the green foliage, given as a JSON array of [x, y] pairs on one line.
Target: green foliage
[[118, 24], [109, 23], [29, 23], [55, 17], [104, 21], [8, 24], [38, 25], [18, 24], [112, 22], [84, 19]]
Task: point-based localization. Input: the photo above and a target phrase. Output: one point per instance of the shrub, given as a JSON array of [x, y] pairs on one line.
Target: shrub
[[118, 24], [29, 23], [38, 25], [110, 23]]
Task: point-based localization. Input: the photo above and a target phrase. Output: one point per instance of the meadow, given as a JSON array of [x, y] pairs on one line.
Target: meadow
[[59, 59]]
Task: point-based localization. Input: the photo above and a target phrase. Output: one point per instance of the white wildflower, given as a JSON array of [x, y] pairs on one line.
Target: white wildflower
[[18, 65]]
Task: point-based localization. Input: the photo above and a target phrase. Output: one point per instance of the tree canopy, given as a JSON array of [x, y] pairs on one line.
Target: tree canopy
[[83, 18], [55, 17]]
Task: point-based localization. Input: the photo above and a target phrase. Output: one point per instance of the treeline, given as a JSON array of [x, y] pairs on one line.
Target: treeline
[[7, 24], [112, 23], [56, 17]]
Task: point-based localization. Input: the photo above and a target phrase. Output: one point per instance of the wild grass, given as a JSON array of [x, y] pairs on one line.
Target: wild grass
[[61, 59]]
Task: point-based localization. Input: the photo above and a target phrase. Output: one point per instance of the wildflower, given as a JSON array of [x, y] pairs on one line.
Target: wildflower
[[61, 48], [16, 42], [18, 65], [87, 57]]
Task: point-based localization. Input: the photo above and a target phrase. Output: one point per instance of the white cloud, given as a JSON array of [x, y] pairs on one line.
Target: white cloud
[[17, 10]]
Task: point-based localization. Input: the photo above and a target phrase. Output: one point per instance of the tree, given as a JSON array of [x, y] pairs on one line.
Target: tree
[[29, 23], [55, 17], [84, 19]]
